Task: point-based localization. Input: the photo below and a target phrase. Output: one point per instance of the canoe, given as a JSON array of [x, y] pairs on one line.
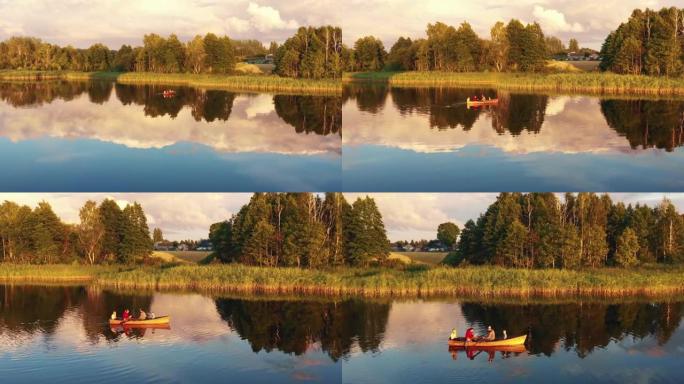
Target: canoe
[[501, 348], [155, 321], [118, 328], [460, 342], [473, 103]]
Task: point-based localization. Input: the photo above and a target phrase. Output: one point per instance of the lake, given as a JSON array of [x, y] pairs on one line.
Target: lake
[[427, 140], [61, 333], [107, 137]]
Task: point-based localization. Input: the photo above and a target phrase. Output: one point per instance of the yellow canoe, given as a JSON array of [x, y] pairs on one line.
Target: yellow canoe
[[482, 102], [460, 342], [155, 321], [502, 348]]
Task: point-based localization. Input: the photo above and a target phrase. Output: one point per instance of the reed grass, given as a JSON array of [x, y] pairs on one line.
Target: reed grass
[[249, 82], [412, 281], [583, 82], [259, 83]]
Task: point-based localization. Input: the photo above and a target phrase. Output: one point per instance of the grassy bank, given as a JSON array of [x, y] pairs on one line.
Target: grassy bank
[[582, 82], [373, 282], [250, 82]]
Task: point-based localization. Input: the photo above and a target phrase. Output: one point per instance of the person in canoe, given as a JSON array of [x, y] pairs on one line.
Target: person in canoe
[[126, 315], [490, 336], [470, 334], [453, 335], [113, 317], [143, 315]]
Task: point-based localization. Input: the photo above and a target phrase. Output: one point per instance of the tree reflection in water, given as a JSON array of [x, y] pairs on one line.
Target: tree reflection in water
[[321, 115], [645, 123], [340, 327]]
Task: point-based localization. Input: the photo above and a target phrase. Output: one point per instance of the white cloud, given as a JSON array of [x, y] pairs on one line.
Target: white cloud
[[588, 21], [179, 215], [265, 18], [554, 21], [126, 21]]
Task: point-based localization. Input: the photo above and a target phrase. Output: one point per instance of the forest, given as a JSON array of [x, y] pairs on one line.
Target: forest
[[106, 234], [306, 230], [649, 43], [303, 230], [584, 230], [511, 47], [312, 53]]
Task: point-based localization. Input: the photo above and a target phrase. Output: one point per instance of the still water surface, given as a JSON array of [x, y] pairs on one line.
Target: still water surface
[[61, 335], [101, 136], [425, 139]]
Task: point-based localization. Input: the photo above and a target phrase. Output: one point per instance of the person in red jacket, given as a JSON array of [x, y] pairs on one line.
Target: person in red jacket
[[470, 334], [126, 315]]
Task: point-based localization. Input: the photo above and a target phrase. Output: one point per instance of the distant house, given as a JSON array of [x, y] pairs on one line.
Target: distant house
[[163, 245], [574, 56], [594, 57], [183, 247], [205, 245]]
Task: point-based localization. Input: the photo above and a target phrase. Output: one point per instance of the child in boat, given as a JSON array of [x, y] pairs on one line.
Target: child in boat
[[454, 334], [143, 315], [113, 315], [126, 315], [470, 334]]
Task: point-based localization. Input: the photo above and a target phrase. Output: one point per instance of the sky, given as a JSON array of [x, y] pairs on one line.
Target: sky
[[407, 216], [589, 21], [82, 23]]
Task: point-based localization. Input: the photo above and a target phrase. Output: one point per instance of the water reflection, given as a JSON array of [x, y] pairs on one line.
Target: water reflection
[[91, 134], [527, 139]]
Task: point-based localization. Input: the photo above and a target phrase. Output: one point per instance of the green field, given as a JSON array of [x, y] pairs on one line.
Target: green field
[[247, 82], [431, 258], [412, 280], [579, 82]]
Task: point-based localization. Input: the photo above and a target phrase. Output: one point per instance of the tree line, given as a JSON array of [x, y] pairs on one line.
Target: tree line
[[538, 230], [106, 234], [649, 43], [511, 47], [311, 53], [302, 230]]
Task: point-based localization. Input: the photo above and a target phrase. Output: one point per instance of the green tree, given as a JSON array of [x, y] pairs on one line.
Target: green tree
[[369, 53], [91, 230], [366, 238], [136, 242], [573, 45], [221, 237], [627, 248], [448, 233], [195, 57], [114, 223], [124, 59], [499, 46], [157, 235]]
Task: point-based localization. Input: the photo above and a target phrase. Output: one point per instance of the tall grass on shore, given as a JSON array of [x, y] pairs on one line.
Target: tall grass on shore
[[411, 281], [258, 83], [592, 83]]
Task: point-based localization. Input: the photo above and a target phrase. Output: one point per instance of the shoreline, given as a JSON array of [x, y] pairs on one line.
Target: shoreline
[[255, 83], [592, 83], [468, 282]]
